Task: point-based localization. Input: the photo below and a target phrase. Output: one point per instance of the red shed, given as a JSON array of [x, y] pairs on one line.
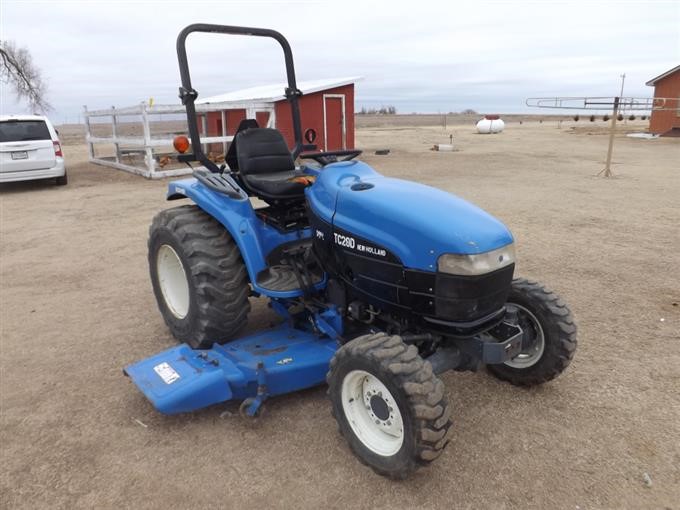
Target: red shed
[[666, 121], [326, 106]]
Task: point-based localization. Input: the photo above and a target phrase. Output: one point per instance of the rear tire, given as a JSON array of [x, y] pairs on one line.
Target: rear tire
[[389, 405], [552, 342], [198, 277], [62, 181]]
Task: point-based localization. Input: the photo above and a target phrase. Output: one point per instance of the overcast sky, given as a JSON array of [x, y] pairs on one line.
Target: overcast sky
[[420, 56]]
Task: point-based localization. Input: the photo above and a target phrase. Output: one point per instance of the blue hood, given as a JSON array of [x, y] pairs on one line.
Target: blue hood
[[417, 223]]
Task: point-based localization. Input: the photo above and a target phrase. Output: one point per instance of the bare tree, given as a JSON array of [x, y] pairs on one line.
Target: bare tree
[[18, 70]]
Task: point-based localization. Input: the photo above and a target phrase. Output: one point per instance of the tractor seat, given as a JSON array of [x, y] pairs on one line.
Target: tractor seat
[[266, 165]]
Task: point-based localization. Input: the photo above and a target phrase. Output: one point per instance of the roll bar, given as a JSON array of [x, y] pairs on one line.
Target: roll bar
[[188, 94]]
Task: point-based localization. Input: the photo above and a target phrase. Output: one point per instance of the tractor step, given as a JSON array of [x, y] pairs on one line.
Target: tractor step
[[272, 362]]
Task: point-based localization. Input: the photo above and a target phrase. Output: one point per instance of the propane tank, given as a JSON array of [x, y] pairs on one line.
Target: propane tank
[[490, 124]]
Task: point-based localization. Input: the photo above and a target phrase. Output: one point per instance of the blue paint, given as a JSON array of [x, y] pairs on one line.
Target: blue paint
[[418, 223], [255, 239], [415, 222], [292, 360]]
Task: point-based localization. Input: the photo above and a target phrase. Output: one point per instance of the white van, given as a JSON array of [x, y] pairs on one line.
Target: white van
[[30, 149]]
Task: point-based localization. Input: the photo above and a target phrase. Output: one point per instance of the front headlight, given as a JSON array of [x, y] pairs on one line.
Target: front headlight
[[480, 263]]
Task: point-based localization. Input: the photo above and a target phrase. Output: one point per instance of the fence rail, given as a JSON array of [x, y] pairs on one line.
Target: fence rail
[[605, 103], [147, 145], [615, 104]]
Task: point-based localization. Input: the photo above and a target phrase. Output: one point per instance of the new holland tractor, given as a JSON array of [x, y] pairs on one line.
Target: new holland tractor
[[381, 284]]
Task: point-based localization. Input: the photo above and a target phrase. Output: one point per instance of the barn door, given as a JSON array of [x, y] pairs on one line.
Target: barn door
[[334, 122]]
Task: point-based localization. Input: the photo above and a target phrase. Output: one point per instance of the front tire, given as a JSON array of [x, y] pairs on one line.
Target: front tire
[[549, 341], [198, 277], [389, 405]]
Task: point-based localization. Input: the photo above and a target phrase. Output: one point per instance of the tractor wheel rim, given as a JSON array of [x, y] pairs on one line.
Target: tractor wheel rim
[[173, 281], [372, 413], [531, 354]]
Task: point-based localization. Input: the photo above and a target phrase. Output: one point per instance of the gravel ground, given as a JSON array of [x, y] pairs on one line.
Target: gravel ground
[[76, 306]]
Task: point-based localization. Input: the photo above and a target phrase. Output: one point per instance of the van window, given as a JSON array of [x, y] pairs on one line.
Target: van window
[[23, 130]]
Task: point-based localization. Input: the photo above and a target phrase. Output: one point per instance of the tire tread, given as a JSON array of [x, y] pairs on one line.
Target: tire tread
[[221, 278], [565, 328], [424, 393]]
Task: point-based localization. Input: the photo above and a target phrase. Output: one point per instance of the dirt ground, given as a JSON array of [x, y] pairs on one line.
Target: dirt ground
[[76, 306]]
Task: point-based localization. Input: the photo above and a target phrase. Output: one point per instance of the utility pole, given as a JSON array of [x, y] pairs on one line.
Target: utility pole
[[607, 171], [623, 80], [618, 104]]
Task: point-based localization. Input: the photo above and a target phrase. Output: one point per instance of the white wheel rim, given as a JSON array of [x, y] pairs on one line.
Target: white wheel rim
[[173, 281], [372, 412], [529, 357]]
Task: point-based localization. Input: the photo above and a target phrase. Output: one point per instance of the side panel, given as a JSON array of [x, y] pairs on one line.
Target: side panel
[[375, 275], [254, 238], [372, 272]]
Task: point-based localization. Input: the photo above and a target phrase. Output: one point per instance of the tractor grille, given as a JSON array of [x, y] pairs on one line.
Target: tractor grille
[[466, 298]]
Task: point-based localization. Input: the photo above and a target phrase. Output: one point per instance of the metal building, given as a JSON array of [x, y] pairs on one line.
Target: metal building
[[326, 107], [666, 121]]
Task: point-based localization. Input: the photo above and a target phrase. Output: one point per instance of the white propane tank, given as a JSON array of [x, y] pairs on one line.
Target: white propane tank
[[490, 124]]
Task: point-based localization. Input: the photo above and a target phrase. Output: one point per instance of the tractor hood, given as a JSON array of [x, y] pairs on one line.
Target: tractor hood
[[414, 222]]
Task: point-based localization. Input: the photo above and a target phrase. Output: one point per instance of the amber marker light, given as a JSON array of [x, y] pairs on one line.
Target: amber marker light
[[181, 144]]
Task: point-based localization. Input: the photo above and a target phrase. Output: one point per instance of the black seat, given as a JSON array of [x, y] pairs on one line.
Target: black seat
[[266, 165]]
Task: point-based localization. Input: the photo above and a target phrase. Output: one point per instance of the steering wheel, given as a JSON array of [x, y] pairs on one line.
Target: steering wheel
[[325, 158]]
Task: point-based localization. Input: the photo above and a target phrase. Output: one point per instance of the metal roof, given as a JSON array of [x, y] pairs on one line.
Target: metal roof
[[653, 81], [274, 92]]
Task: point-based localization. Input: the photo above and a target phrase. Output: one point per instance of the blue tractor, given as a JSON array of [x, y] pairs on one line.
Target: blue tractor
[[382, 284]]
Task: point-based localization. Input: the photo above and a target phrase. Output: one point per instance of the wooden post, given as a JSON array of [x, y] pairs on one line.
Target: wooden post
[[224, 131], [204, 128], [88, 133], [148, 157], [607, 171], [114, 132]]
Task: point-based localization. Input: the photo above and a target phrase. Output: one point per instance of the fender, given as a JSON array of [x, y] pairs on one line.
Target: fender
[[254, 238]]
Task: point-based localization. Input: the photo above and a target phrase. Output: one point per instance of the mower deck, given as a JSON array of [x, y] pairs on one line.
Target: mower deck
[[272, 362]]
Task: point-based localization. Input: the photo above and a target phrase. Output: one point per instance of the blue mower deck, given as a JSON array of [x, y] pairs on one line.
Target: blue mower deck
[[273, 362]]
